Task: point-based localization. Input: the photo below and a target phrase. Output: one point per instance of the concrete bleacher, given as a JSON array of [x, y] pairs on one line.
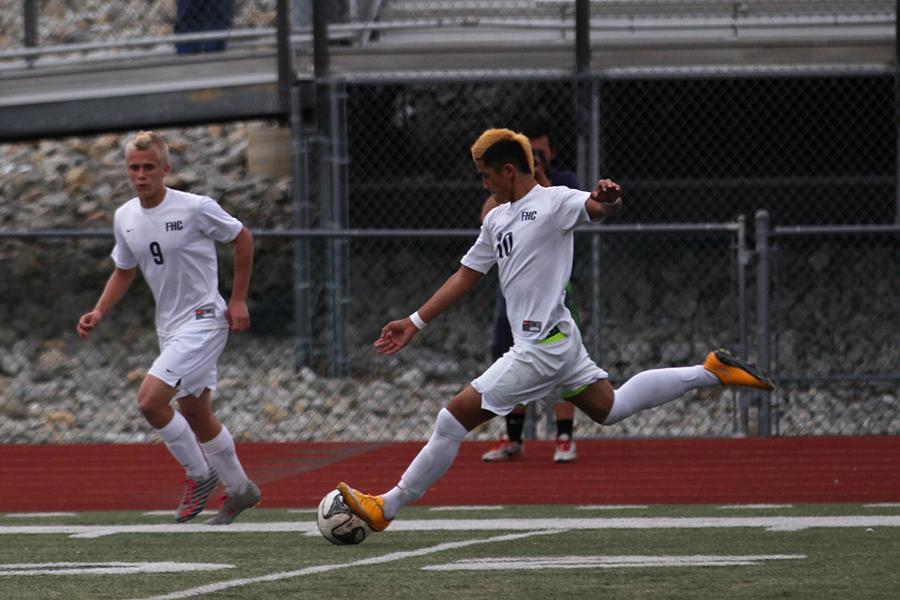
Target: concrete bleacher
[[42, 95]]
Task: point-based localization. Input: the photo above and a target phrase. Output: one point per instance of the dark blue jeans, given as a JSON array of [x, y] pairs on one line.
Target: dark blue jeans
[[199, 16]]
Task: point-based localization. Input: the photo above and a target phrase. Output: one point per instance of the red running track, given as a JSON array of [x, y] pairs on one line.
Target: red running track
[[670, 471]]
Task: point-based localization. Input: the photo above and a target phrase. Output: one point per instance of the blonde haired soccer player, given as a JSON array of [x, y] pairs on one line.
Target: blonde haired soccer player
[[170, 236], [530, 239], [512, 446]]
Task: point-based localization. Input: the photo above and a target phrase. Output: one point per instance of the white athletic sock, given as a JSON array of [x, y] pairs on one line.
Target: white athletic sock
[[180, 441], [223, 457], [649, 389], [432, 461]]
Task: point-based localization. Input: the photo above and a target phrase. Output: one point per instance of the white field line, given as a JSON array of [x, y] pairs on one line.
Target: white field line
[[171, 513], [375, 560], [472, 507], [39, 515], [612, 507], [753, 506], [105, 568], [883, 505], [530, 563], [770, 523]]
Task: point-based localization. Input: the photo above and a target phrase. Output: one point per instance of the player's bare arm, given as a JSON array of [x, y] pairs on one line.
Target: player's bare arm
[[237, 313], [116, 286], [605, 200], [397, 334]]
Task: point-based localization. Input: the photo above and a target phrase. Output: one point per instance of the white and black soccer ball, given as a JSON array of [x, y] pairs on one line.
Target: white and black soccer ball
[[337, 523]]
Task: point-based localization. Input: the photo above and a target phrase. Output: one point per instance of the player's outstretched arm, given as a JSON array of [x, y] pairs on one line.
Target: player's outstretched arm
[[116, 286], [605, 200], [237, 313], [397, 334]]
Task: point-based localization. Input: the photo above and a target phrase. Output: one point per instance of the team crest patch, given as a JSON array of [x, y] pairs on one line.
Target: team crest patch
[[205, 312], [531, 326]]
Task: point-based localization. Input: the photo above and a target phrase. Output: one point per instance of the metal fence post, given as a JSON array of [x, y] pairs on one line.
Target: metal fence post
[[301, 246], [764, 427], [30, 35], [285, 58], [338, 248], [594, 167], [897, 113], [583, 94], [743, 262]]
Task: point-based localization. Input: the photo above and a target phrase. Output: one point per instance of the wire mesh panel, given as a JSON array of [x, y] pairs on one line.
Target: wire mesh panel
[[710, 148], [55, 387], [410, 165], [666, 299], [686, 149], [835, 321]]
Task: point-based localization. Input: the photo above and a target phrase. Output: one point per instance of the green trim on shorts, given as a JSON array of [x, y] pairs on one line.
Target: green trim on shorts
[[575, 392]]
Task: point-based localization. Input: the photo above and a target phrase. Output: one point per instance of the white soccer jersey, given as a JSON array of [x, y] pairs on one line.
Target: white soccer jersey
[[531, 242], [174, 246]]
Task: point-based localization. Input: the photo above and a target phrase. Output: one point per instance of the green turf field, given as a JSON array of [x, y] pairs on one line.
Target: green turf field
[[695, 552]]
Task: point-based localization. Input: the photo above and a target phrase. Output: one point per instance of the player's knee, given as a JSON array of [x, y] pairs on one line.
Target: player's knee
[[596, 400], [449, 426], [151, 402]]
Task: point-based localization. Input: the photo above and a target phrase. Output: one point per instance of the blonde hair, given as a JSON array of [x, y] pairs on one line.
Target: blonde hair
[[145, 140], [492, 136]]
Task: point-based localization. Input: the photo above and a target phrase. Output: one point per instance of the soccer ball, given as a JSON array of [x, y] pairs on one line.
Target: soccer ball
[[337, 524]]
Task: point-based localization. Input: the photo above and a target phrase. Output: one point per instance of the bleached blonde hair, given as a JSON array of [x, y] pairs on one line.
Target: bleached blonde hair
[[145, 140], [492, 136]]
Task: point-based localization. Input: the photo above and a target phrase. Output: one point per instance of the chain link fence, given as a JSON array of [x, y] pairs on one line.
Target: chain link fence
[[391, 202], [688, 149], [834, 321], [55, 387]]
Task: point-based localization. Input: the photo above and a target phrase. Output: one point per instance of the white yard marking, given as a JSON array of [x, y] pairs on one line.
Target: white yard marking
[[39, 515], [375, 560], [753, 506], [612, 507], [171, 513], [310, 511], [104, 568], [770, 523], [883, 505], [473, 507], [529, 563]]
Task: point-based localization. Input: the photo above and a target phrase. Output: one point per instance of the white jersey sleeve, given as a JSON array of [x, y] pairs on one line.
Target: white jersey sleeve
[[121, 254], [215, 223], [481, 256], [571, 209]]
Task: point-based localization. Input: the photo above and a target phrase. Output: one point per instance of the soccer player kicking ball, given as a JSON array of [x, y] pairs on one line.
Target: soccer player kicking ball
[[171, 236], [530, 239]]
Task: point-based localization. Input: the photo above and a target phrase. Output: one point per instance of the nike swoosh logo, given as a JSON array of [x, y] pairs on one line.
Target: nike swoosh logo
[[127, 230]]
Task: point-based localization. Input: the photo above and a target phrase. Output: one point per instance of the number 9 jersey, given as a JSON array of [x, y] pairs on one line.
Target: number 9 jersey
[[173, 243]]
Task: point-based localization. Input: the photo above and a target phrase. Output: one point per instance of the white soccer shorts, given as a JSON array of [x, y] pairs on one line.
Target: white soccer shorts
[[187, 360], [529, 372]]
